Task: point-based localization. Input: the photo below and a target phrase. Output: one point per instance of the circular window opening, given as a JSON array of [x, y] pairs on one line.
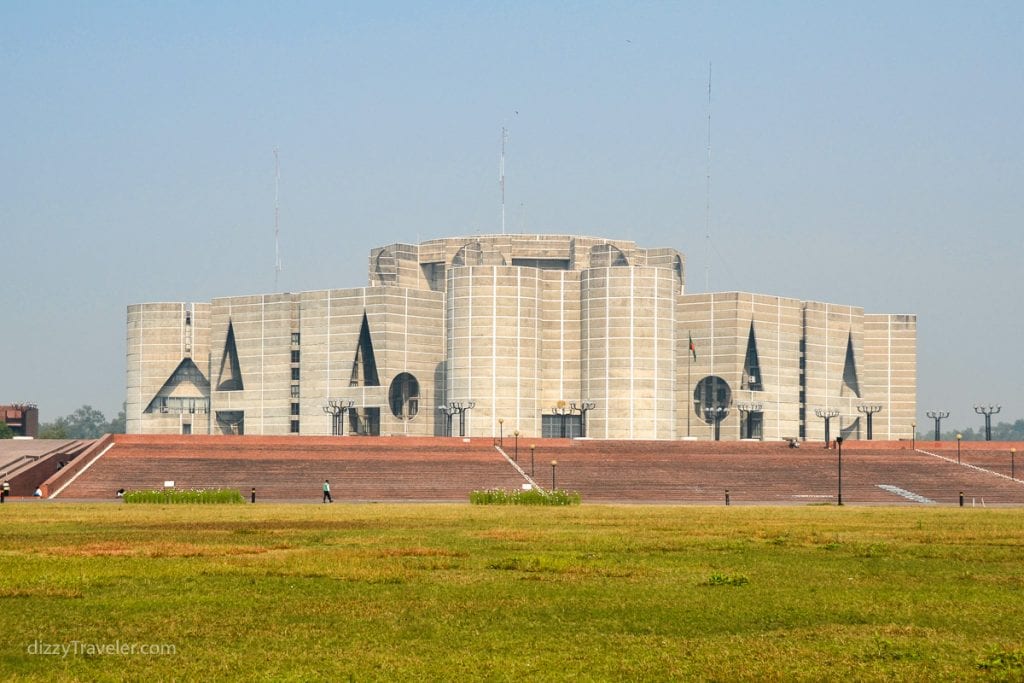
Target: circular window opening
[[404, 396], [712, 398]]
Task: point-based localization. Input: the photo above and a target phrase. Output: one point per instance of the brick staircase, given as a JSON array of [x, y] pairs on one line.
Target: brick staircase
[[293, 468], [766, 472], [447, 469]]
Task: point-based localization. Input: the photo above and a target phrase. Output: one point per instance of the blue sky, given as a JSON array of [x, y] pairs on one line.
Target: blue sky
[[864, 153]]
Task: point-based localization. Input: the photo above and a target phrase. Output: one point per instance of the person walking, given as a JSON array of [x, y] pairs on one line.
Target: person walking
[[327, 492], [6, 491]]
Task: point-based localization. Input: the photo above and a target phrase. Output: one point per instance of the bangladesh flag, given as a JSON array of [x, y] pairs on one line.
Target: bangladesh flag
[[693, 349]]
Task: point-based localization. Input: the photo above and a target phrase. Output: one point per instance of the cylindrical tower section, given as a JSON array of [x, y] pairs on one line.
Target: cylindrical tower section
[[628, 355], [493, 348]]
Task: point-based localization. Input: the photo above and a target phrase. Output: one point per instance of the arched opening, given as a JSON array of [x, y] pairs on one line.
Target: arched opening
[[404, 396]]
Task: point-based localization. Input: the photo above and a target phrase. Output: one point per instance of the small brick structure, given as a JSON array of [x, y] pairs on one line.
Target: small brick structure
[[22, 418]]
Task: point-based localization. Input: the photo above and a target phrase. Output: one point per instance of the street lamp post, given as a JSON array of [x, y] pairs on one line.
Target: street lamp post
[[988, 411], [827, 414], [869, 409], [554, 463], [582, 408], [448, 412], [562, 411], [744, 421], [501, 432], [938, 416], [516, 433], [461, 407], [913, 436], [336, 409], [1013, 453], [533, 451], [839, 445], [718, 414], [959, 437], [329, 410]]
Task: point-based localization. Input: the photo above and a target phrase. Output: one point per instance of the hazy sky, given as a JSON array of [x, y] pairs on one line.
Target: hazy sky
[[862, 153]]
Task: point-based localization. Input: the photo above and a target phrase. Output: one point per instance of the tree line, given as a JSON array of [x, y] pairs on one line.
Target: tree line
[[84, 423], [1004, 431], [89, 423]]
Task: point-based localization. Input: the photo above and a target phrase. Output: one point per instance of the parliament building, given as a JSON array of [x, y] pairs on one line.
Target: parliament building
[[544, 335]]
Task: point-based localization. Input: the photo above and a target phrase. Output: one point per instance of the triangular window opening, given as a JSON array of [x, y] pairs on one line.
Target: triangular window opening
[[230, 377], [185, 391], [751, 365], [850, 383], [364, 366]]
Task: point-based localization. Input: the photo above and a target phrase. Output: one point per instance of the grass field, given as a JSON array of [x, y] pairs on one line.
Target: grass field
[[426, 592]]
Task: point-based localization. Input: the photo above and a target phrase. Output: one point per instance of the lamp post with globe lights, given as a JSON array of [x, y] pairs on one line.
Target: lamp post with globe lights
[[869, 409], [718, 414], [336, 408], [562, 411], [839, 446], [938, 416], [827, 414], [988, 411], [583, 407], [461, 407], [447, 411], [747, 408]]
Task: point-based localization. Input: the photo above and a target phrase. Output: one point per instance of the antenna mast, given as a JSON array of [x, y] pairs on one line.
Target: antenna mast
[[501, 176], [707, 200], [277, 219]]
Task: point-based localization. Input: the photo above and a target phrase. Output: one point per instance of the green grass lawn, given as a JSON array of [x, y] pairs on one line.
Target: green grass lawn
[[339, 592]]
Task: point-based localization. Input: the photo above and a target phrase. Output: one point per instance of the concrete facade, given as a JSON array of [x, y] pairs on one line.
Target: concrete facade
[[548, 335]]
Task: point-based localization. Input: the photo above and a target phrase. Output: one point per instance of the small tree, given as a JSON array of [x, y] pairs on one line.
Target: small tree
[[117, 425], [86, 423], [5, 431]]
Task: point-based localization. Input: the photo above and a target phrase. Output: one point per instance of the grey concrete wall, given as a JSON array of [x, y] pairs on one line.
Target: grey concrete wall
[[890, 352], [158, 339], [406, 334]]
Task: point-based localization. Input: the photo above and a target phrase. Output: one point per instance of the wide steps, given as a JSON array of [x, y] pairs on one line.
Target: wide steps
[[401, 468]]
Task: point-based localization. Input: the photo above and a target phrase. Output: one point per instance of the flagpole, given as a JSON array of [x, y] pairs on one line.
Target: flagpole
[[689, 392], [691, 354]]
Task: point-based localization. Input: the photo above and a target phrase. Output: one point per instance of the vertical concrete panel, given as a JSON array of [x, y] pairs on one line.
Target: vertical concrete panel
[[628, 340], [890, 349], [560, 355], [493, 346]]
